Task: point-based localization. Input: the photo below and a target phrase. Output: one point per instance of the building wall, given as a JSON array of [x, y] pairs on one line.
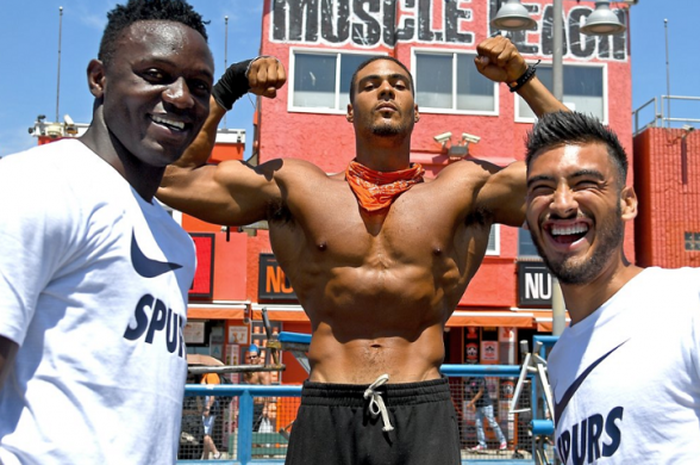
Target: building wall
[[667, 182]]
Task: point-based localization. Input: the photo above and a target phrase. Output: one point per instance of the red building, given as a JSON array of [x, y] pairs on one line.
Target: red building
[[667, 178]]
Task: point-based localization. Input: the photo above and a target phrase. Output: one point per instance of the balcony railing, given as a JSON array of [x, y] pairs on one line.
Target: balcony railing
[[662, 109]]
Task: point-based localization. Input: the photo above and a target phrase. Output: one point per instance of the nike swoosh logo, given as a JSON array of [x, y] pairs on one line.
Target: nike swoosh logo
[[147, 267], [561, 405]]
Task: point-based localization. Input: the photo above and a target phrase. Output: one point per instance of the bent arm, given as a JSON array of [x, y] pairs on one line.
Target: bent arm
[[232, 192], [503, 192], [8, 351], [476, 397], [498, 59], [539, 98]]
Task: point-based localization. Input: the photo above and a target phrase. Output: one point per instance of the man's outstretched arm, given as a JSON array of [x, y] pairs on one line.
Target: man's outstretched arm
[[231, 192]]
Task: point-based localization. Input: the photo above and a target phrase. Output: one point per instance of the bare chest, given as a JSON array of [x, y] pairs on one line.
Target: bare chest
[[421, 237]]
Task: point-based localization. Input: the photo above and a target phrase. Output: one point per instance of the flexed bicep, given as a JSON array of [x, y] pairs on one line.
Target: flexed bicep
[[230, 193], [503, 194]]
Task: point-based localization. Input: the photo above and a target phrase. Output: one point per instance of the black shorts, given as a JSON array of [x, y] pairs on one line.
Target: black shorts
[[334, 426]]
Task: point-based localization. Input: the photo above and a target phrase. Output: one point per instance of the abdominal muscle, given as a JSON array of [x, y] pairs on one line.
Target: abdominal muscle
[[385, 323], [362, 361]]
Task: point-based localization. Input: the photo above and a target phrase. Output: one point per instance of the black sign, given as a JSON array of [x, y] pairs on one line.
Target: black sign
[[535, 285], [272, 282]]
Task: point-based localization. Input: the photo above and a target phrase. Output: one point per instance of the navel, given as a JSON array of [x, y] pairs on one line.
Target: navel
[[321, 246], [437, 251]]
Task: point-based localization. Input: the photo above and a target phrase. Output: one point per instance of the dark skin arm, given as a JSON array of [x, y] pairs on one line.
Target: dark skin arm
[[8, 351], [231, 192]]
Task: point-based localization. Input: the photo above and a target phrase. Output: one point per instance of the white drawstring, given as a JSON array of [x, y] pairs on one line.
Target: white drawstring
[[376, 403]]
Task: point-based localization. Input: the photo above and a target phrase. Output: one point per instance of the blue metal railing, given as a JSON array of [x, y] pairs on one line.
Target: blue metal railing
[[245, 410], [246, 393]]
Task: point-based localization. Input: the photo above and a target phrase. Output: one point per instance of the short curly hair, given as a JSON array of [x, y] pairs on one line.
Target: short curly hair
[[123, 16]]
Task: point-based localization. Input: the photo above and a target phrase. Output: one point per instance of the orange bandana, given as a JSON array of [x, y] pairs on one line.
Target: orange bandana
[[376, 189]]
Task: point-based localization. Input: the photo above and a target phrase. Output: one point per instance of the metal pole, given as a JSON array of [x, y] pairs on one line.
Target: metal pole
[[225, 53], [668, 79], [557, 54], [58, 74], [558, 306]]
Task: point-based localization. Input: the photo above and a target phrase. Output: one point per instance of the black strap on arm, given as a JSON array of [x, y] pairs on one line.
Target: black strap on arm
[[232, 85]]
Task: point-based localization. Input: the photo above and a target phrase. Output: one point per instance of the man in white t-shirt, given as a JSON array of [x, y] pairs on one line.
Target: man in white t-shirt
[[94, 273], [626, 374]]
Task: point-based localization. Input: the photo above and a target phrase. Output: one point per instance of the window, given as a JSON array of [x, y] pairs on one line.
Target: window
[[585, 91], [526, 248], [321, 80], [494, 245], [449, 82], [692, 241]]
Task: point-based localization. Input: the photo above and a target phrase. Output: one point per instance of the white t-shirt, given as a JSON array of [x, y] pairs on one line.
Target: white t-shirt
[[93, 288], [626, 379]]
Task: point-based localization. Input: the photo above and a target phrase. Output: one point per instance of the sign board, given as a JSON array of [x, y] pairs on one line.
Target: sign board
[[272, 282], [534, 285], [489, 351], [238, 334], [194, 332], [203, 282]]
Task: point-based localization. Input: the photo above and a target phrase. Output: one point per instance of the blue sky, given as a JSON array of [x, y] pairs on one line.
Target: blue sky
[[29, 56]]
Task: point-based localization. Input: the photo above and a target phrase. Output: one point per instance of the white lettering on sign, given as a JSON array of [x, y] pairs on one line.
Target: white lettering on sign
[[375, 23], [537, 287]]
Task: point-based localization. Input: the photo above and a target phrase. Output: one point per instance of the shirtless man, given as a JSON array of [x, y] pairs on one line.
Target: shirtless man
[[378, 281], [260, 404]]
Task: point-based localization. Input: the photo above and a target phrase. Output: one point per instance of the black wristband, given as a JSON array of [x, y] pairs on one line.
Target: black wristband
[[232, 85], [527, 75]]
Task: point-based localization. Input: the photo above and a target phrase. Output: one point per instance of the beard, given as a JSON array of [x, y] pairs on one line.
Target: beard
[[571, 270], [388, 128]]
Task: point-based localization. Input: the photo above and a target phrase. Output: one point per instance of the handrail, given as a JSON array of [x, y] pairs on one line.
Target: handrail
[[660, 119]]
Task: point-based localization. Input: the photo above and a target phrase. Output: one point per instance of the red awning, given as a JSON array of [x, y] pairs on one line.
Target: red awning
[[282, 315], [491, 318], [216, 312]]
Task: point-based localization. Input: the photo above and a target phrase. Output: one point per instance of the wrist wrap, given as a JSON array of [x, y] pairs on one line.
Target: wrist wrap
[[232, 85]]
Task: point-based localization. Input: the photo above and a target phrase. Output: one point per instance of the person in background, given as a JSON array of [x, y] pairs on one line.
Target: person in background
[[94, 273], [483, 405], [209, 413], [625, 374], [261, 405]]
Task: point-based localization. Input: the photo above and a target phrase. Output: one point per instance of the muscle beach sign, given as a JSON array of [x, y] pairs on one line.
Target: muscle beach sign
[[385, 23]]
